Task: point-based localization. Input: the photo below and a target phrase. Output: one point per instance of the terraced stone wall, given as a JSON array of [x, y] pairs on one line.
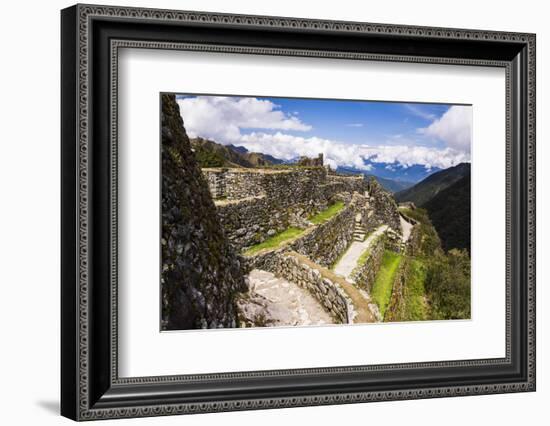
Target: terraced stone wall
[[271, 201], [365, 274], [327, 241], [331, 296]]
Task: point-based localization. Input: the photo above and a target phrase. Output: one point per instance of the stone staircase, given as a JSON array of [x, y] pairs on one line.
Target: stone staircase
[[359, 233]]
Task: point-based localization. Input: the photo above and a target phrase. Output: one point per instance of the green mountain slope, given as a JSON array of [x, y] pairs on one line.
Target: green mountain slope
[[449, 212], [425, 190], [212, 154]]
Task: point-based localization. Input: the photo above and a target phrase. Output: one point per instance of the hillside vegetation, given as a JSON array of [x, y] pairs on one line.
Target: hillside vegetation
[[446, 196], [449, 212], [443, 277], [383, 284], [211, 154]]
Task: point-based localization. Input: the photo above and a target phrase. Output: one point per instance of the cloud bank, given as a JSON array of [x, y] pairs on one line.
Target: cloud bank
[[223, 120], [336, 153]]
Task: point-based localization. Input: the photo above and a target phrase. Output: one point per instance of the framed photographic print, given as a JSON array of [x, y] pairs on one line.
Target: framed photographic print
[[263, 212]]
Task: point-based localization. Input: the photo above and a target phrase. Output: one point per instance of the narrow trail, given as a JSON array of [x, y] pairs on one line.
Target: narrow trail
[[406, 228], [286, 302], [349, 260]]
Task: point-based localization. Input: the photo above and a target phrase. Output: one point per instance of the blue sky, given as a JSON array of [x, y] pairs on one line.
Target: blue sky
[[360, 122], [349, 133]]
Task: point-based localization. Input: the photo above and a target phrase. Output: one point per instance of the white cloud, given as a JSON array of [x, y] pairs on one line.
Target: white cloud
[[222, 118], [411, 155], [336, 153], [355, 125], [454, 128], [419, 112], [288, 147]]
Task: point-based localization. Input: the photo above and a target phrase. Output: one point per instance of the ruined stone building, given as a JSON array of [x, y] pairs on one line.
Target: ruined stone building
[[211, 218]]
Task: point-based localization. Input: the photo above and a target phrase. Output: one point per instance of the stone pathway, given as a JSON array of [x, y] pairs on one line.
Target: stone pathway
[[349, 260], [405, 228], [285, 303]]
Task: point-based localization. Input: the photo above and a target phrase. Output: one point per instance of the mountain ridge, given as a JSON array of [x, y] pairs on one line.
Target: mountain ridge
[[213, 154], [428, 188], [449, 212]]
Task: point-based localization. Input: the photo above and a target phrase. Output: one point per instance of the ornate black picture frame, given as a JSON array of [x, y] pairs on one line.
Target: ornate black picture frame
[[91, 36]]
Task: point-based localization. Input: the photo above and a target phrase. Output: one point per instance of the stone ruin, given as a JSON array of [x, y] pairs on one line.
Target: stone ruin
[[310, 162], [201, 270], [210, 217]]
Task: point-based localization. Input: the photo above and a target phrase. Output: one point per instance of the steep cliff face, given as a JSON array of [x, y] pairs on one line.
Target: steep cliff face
[[201, 274]]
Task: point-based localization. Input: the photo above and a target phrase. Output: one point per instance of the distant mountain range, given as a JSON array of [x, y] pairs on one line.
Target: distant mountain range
[[428, 188], [399, 172], [393, 177], [446, 196], [391, 185]]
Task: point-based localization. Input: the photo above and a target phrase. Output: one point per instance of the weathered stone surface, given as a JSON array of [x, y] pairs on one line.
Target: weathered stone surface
[[275, 301], [202, 277], [383, 206], [325, 243], [286, 265], [201, 273], [264, 200], [364, 275]]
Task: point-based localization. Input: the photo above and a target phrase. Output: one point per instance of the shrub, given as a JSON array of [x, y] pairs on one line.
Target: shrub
[[448, 285]]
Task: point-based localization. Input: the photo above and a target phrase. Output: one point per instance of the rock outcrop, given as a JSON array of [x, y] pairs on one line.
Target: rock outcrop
[[201, 273]]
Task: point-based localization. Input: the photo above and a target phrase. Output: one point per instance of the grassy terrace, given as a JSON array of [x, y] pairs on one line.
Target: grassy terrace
[[275, 241], [292, 232], [328, 213], [383, 284], [414, 293]]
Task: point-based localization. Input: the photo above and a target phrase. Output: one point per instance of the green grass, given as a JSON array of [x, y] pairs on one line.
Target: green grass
[[414, 292], [363, 258], [383, 284], [328, 213], [275, 241], [366, 254]]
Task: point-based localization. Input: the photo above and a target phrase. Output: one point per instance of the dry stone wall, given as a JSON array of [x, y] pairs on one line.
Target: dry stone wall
[[383, 206], [201, 273], [414, 242], [327, 241], [331, 296], [234, 184], [349, 183], [365, 274], [259, 203]]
